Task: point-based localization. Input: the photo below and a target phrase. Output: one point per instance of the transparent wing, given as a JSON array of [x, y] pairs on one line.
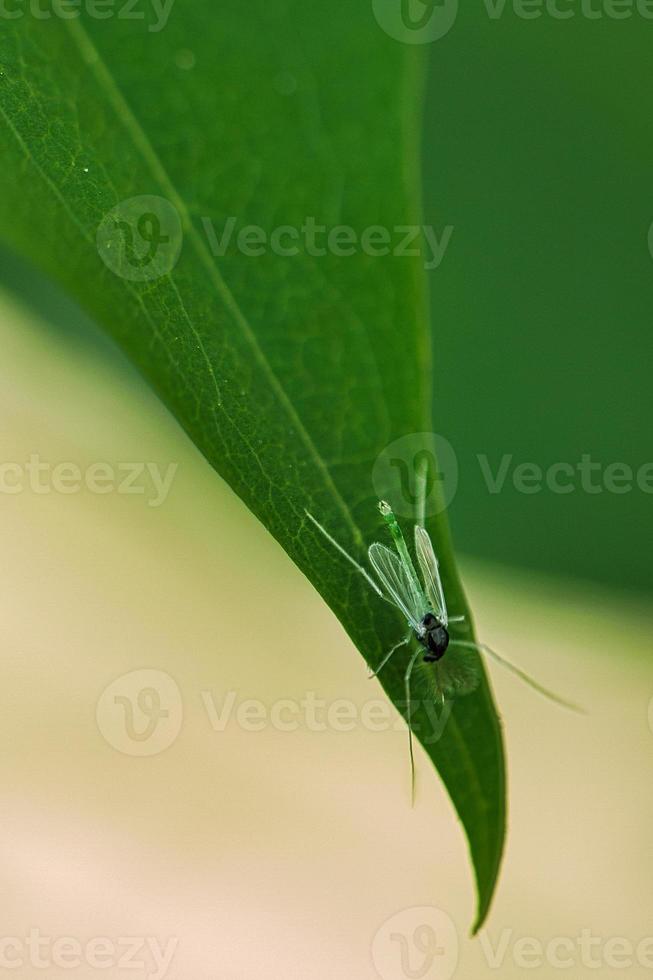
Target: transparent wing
[[428, 564], [457, 674], [397, 583]]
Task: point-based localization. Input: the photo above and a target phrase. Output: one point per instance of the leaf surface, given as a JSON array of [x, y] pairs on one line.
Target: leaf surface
[[291, 372]]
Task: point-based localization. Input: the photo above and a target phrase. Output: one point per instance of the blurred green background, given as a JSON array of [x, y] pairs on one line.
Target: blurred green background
[[256, 850], [539, 151]]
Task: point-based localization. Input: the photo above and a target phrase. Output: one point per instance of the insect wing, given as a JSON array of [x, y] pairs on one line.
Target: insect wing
[[428, 564], [397, 582], [457, 674]]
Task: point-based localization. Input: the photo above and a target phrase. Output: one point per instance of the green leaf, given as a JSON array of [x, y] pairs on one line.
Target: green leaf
[[291, 373]]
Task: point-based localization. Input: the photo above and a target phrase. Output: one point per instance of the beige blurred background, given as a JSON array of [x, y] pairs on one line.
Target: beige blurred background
[[247, 853]]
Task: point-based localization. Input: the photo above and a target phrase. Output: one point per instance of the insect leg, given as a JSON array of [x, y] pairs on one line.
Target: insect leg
[[407, 676], [345, 554], [484, 648], [402, 643], [457, 619]]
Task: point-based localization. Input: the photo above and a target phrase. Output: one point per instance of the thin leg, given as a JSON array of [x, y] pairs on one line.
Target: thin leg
[[407, 676], [402, 643], [345, 554], [483, 648], [457, 619]]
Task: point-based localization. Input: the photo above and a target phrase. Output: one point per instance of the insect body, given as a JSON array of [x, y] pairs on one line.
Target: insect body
[[452, 668], [423, 605], [435, 639]]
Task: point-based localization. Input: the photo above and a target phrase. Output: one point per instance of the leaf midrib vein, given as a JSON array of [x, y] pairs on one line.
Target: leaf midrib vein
[[91, 56]]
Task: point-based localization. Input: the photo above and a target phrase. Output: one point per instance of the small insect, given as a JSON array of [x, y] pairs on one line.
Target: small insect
[[451, 667]]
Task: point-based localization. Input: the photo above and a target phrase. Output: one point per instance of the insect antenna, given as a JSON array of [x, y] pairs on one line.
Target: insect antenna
[[359, 568]]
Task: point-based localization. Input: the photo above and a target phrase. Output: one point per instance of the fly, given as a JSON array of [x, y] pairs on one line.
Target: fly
[[451, 669]]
